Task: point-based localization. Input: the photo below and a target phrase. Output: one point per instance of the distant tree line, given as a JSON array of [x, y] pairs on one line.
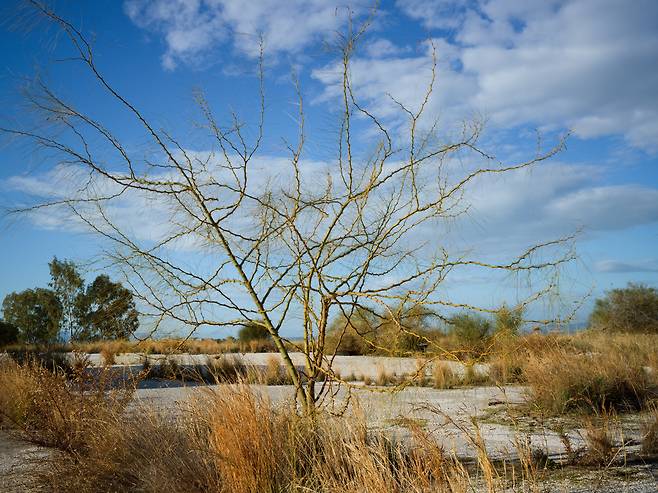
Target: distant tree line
[[632, 309], [68, 310]]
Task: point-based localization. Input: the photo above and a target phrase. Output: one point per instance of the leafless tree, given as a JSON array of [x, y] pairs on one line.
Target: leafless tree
[[301, 249]]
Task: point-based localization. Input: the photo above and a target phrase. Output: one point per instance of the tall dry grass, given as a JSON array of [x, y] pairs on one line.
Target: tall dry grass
[[56, 409], [228, 441], [236, 442], [561, 382]]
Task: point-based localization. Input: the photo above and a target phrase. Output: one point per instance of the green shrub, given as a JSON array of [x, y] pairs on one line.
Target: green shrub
[[470, 329], [253, 331], [8, 333], [630, 309], [508, 321]]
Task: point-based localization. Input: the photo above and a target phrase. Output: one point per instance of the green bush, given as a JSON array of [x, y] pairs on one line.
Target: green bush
[[8, 333], [470, 329], [630, 309], [508, 321], [253, 331]]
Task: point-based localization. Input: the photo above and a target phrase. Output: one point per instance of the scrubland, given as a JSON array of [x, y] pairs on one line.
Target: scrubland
[[236, 440]]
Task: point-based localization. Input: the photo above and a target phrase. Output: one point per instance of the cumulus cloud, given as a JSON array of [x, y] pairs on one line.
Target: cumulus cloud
[[193, 29], [586, 65]]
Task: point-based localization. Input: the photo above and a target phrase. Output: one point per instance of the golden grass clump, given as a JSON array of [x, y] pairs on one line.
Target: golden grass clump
[[561, 381], [650, 431], [235, 441], [443, 376], [54, 410]]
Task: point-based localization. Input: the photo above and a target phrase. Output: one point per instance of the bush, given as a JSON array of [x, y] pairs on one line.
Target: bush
[[561, 382], [253, 331], [443, 377], [50, 410], [508, 321], [470, 329], [630, 309], [8, 333]]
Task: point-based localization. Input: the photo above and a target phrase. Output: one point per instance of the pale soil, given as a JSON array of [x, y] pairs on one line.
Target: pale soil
[[346, 366], [447, 414], [19, 460]]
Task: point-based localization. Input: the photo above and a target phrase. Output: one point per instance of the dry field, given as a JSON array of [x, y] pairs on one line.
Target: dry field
[[541, 414]]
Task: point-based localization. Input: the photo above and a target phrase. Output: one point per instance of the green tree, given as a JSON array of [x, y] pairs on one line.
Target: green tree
[[630, 309], [36, 313], [8, 333], [252, 331], [67, 284], [407, 326], [106, 310], [470, 328], [354, 332]]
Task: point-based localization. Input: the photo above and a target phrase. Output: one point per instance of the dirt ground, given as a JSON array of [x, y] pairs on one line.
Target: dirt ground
[[19, 461]]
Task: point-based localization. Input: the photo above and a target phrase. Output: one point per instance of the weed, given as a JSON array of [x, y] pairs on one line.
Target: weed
[[650, 432], [443, 377]]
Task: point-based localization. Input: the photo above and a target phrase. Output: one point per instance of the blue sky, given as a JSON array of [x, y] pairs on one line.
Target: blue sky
[[584, 66]]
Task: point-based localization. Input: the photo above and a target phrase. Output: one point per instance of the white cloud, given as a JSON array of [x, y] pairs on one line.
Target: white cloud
[[442, 14], [586, 65], [507, 212], [193, 29]]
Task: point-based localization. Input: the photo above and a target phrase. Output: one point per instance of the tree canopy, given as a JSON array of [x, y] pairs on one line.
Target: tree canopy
[[252, 331], [36, 313], [67, 285], [70, 310], [106, 310], [630, 309]]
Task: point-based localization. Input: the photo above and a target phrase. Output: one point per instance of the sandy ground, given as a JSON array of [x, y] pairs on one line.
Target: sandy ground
[[357, 366], [444, 413], [18, 462]]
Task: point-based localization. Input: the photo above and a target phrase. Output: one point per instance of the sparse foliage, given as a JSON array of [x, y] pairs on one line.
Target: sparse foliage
[[315, 244]]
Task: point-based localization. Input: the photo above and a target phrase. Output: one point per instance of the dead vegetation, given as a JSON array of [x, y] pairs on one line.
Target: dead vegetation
[[236, 441]]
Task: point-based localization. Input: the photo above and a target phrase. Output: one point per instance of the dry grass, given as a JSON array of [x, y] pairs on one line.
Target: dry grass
[[274, 373], [443, 377], [236, 442], [599, 437], [650, 432], [229, 441], [109, 356], [384, 378], [50, 409], [561, 381], [155, 346]]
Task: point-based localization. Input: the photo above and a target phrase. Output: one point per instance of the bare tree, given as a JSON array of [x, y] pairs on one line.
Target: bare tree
[[298, 250]]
